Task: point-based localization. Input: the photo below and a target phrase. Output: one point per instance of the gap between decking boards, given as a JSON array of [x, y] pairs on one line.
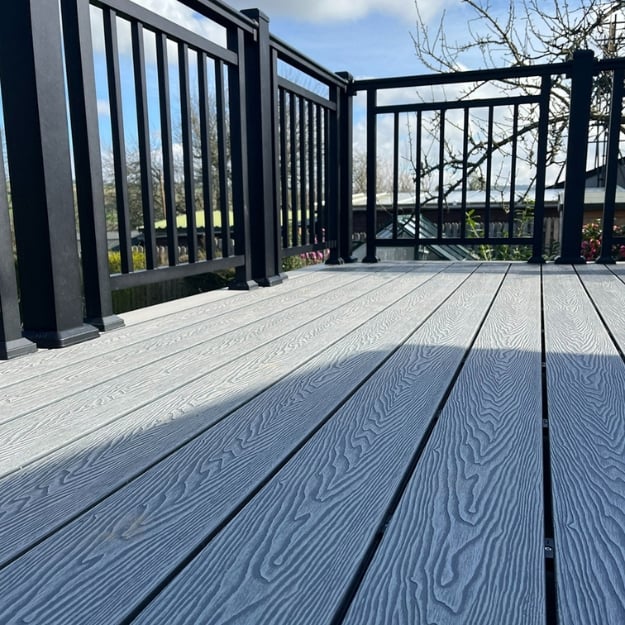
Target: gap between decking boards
[[377, 539], [68, 520], [551, 596], [128, 620]]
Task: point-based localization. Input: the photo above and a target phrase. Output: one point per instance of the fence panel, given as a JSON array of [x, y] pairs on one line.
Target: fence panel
[[450, 152], [313, 187], [172, 87]]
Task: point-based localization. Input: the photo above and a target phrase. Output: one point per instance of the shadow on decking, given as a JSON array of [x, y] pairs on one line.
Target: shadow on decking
[[122, 509]]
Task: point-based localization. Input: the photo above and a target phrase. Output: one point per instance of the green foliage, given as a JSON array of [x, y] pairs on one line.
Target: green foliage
[[522, 218], [115, 260]]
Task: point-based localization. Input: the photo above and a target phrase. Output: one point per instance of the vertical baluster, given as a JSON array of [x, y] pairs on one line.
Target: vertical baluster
[[284, 170], [293, 121], [222, 150], [206, 156], [541, 173], [119, 138], [489, 173], [310, 160], [614, 132], [417, 205], [582, 72], [145, 156], [513, 166], [441, 174], [187, 150], [395, 195], [301, 159], [169, 189]]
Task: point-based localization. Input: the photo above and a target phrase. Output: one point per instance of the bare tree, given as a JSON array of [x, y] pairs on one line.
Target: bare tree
[[525, 33]]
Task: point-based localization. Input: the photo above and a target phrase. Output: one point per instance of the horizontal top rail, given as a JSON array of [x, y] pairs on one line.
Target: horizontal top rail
[[288, 85], [178, 33], [427, 80], [221, 13], [300, 61], [610, 64]]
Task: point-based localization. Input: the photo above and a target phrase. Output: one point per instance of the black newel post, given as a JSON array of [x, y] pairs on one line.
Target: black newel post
[[240, 176], [346, 169], [87, 165], [582, 73], [259, 74], [12, 343], [31, 73]]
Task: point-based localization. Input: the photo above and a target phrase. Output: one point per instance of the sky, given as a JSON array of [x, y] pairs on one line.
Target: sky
[[365, 37], [368, 38]]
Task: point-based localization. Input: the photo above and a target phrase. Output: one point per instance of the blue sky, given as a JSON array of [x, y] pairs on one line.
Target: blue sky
[[377, 43]]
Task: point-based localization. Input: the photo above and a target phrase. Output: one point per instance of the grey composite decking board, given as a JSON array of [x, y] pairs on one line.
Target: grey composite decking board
[[46, 429], [465, 546], [96, 569], [37, 500], [290, 554], [45, 360], [277, 314], [608, 294], [586, 402]]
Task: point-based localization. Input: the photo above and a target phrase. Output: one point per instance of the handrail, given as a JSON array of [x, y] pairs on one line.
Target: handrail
[[485, 75]]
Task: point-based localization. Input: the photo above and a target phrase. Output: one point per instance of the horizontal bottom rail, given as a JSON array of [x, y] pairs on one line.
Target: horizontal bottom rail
[[303, 249], [455, 241], [153, 276]]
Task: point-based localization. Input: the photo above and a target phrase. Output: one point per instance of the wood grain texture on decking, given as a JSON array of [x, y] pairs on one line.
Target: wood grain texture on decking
[[289, 556], [34, 501], [586, 402], [220, 332], [465, 546], [608, 294], [219, 303], [48, 428], [100, 566]]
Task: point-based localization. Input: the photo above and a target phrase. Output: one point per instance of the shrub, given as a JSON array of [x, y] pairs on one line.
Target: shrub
[[115, 260], [591, 241]]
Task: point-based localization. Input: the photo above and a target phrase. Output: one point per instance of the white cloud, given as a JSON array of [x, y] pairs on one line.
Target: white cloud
[[104, 108], [338, 10], [170, 9], [183, 16]]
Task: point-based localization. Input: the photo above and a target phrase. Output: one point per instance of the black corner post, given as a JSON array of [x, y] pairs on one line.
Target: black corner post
[[240, 178], [614, 132], [31, 73], [87, 164], [261, 98], [12, 343], [582, 73], [372, 147], [346, 168]]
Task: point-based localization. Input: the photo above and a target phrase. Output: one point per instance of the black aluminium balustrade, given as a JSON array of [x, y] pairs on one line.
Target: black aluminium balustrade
[[580, 69], [288, 150]]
